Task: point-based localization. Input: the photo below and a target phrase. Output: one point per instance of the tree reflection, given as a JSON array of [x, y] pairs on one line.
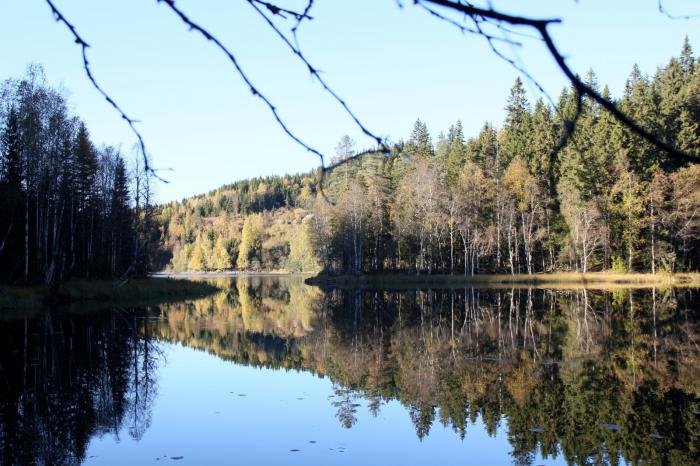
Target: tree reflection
[[548, 366], [66, 378], [552, 369]]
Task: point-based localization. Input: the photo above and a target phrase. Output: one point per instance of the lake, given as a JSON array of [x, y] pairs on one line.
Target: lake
[[269, 371]]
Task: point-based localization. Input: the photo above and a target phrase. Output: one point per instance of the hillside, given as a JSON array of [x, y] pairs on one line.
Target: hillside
[[263, 217], [508, 200]]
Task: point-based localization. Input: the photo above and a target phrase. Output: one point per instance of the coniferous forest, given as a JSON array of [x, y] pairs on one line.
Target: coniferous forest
[[508, 200], [68, 208]]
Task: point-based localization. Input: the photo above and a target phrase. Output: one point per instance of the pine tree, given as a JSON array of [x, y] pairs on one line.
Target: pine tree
[[420, 145], [120, 216], [516, 125], [86, 166], [687, 60], [456, 155], [11, 162]]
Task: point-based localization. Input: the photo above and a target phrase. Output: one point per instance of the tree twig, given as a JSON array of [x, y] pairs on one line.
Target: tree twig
[[540, 26], [60, 18]]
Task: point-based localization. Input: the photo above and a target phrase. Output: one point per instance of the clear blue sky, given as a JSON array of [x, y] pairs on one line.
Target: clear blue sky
[[391, 64]]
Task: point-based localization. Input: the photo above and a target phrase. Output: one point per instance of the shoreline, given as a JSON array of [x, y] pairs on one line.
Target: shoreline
[[559, 280], [182, 275], [88, 294]]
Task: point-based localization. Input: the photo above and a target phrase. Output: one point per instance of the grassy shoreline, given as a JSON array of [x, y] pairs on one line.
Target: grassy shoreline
[[101, 293], [561, 280]]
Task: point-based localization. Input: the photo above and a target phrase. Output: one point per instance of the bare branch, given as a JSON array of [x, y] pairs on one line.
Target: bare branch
[[307, 9], [464, 29], [540, 26], [211, 38], [296, 51], [665, 12], [279, 11], [315, 74], [58, 16]]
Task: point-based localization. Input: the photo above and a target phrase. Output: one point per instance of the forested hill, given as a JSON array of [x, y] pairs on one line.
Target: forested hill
[[264, 217], [503, 201]]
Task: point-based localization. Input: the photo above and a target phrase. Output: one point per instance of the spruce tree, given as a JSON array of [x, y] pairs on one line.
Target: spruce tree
[[456, 155], [11, 162], [687, 60], [420, 145], [516, 124]]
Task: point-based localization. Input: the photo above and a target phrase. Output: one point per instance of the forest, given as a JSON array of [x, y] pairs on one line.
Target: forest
[[508, 200], [70, 209]]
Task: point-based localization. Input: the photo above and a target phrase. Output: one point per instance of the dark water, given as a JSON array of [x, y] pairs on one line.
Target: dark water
[[274, 372]]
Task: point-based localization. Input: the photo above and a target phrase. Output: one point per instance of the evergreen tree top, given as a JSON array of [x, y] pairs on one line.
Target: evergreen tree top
[[517, 105], [687, 59]]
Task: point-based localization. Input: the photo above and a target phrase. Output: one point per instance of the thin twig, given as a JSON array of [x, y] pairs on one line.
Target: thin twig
[[59, 17], [279, 11], [313, 71], [665, 12], [253, 89]]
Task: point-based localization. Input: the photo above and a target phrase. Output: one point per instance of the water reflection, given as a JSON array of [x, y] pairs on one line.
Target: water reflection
[[590, 376], [65, 379]]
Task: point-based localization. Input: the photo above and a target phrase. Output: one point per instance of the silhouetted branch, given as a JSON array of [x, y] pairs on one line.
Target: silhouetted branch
[[665, 12], [315, 74], [253, 89], [307, 9], [477, 15], [58, 16], [279, 11], [464, 29]]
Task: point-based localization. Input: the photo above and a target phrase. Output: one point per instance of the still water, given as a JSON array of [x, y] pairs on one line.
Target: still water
[[271, 371]]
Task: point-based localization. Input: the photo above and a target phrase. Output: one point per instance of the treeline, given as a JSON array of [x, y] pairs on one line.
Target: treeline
[[66, 204], [507, 201], [254, 195]]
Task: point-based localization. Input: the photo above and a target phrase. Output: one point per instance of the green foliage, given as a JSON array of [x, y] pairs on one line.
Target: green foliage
[[619, 265], [67, 207], [500, 202]]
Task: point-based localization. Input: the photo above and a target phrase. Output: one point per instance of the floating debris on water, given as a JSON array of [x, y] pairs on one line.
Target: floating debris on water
[[294, 449], [176, 458]]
